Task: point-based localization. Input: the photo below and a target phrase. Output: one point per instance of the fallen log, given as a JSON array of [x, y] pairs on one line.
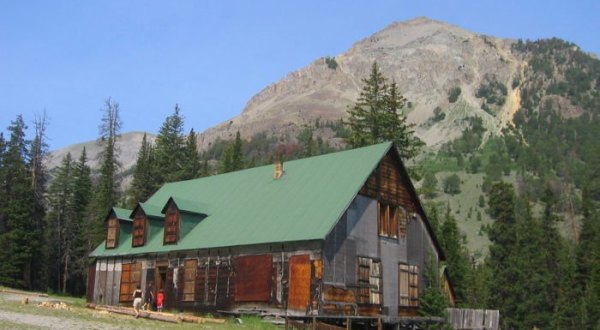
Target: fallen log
[[145, 314], [25, 293], [156, 315]]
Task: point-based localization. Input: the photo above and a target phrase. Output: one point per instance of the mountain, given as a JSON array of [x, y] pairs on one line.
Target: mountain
[[129, 145], [426, 58]]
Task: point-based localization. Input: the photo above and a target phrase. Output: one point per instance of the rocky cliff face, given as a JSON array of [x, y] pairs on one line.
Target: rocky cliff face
[[426, 58]]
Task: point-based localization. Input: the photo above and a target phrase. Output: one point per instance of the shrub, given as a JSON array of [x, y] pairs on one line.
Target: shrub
[[453, 94]]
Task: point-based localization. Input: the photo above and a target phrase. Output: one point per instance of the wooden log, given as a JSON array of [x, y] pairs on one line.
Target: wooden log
[[130, 311], [25, 293]]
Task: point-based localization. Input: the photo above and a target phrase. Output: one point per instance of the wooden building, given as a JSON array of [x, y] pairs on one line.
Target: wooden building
[[337, 234]]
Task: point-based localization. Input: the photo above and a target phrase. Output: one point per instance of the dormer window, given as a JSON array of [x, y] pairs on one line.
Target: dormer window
[[140, 221], [112, 231], [172, 219]]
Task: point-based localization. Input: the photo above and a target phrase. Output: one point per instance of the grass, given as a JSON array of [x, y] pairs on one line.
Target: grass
[[81, 317]]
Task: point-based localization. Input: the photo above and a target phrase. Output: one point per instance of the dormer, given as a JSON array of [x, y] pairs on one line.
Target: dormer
[[140, 227], [113, 226], [180, 217]]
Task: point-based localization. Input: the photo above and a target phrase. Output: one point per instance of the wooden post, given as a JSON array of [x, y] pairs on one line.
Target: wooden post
[[348, 324], [379, 324], [314, 323]]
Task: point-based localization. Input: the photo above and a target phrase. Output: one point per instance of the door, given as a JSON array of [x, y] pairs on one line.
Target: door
[[299, 289]]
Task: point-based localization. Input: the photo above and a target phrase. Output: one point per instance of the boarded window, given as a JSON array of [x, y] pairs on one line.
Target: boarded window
[[369, 281], [387, 220], [131, 277], [253, 279], [171, 225], [190, 267], [402, 221], [139, 229], [408, 285], [112, 232]]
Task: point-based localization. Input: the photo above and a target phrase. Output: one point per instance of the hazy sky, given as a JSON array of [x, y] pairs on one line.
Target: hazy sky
[[67, 57]]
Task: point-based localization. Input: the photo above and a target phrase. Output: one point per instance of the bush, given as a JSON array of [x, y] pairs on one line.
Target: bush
[[452, 184], [331, 63], [453, 94]]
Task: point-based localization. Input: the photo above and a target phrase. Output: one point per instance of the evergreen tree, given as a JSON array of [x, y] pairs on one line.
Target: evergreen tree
[[432, 302], [307, 143], [377, 117], [457, 257], [39, 179], [170, 149], [59, 231], [502, 262], [191, 169], [17, 240], [429, 186], [106, 193], [232, 159], [570, 306], [144, 183]]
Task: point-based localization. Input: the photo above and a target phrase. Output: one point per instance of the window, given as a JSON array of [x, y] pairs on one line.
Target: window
[[408, 285], [171, 225], [139, 229], [112, 232], [131, 277], [387, 220], [391, 221], [369, 281], [189, 279]]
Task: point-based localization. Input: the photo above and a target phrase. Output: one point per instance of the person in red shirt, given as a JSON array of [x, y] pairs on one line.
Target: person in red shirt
[[160, 299]]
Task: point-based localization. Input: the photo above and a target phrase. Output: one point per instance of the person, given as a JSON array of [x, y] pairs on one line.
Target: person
[[160, 299], [148, 297], [137, 300]]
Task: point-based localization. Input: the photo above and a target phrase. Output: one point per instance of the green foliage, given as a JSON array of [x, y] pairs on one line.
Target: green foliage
[[232, 159], [377, 117], [144, 182], [457, 257], [492, 91], [17, 226], [432, 302], [170, 146], [453, 94], [429, 186], [451, 184], [331, 63]]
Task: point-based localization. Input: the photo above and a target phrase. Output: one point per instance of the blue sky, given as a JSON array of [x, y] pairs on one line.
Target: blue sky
[[67, 57]]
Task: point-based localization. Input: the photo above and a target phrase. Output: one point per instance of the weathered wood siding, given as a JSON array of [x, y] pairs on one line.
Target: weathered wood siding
[[273, 277], [356, 235]]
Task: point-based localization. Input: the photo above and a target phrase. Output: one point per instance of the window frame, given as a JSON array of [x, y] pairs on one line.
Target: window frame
[[370, 281], [172, 225], [139, 229], [114, 228], [392, 221], [408, 285]]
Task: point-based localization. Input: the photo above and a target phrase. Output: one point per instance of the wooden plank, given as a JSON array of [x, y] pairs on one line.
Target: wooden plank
[[253, 279], [91, 280], [300, 276]]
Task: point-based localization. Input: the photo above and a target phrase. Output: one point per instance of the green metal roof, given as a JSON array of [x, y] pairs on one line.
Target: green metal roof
[[250, 207], [122, 214]]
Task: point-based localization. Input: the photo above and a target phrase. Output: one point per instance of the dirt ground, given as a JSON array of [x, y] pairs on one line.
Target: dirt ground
[[28, 318]]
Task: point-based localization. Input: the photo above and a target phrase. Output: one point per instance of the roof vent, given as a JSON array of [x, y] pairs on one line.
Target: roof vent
[[278, 170]]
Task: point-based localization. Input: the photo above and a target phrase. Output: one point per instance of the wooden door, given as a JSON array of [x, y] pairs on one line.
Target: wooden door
[[131, 277], [299, 288], [91, 281]]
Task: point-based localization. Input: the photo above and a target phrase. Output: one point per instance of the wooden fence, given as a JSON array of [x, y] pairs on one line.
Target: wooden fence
[[473, 319]]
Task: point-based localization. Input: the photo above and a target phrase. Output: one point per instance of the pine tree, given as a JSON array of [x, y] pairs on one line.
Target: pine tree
[[17, 241], [502, 259], [39, 180], [570, 306], [432, 302], [457, 257], [82, 195], [232, 159], [191, 169], [170, 149], [377, 117], [107, 192], [144, 183], [59, 220]]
